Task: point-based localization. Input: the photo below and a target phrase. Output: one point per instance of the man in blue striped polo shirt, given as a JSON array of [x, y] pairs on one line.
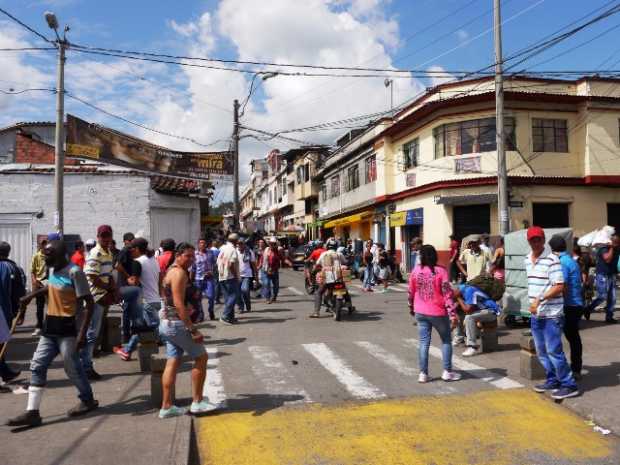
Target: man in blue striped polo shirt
[[545, 291]]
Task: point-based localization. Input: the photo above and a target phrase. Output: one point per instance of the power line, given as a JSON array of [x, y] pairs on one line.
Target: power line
[[157, 131], [26, 49], [25, 26], [17, 92]]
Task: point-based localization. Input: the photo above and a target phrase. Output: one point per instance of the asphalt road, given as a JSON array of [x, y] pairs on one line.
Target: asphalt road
[[291, 389]]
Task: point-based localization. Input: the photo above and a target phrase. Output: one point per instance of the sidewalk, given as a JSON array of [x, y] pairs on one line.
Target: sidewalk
[[124, 430]]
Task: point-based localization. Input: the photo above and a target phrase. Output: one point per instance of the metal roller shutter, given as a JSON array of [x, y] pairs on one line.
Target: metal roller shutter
[[471, 219]]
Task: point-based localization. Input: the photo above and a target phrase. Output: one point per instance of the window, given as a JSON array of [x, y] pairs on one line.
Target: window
[[283, 186], [335, 186], [549, 135], [299, 174], [306, 172], [550, 215], [371, 168], [353, 178], [473, 136], [411, 150], [323, 191]]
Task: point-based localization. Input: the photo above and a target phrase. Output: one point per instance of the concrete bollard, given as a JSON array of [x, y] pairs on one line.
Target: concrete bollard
[[530, 366], [157, 365], [146, 347], [111, 333], [489, 340]]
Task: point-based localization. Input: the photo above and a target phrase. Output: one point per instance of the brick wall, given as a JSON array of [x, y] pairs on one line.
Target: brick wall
[[28, 150]]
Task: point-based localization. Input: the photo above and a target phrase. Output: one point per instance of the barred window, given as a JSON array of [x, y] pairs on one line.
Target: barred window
[[335, 186], [473, 136], [411, 150], [353, 178], [371, 168], [549, 135]]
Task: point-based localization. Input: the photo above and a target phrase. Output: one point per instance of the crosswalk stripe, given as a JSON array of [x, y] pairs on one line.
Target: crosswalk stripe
[[354, 383], [214, 385], [274, 375], [397, 289], [386, 357], [501, 382], [295, 290], [403, 286]]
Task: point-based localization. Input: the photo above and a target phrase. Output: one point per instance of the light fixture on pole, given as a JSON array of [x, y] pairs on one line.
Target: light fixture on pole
[[59, 153], [390, 83]]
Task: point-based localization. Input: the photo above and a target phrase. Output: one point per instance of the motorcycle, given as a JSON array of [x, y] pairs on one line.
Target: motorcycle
[[310, 280], [338, 299]]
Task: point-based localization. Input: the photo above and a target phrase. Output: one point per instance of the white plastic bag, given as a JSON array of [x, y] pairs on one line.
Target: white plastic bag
[[598, 236], [586, 239]]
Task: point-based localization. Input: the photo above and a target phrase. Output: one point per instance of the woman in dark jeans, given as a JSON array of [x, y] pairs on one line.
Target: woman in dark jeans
[[431, 298]]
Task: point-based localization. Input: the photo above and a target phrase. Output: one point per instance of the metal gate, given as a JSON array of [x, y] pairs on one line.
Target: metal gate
[[16, 230], [170, 223], [471, 219]]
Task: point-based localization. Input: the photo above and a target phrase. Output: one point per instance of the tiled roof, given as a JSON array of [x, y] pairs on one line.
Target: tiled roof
[[23, 124]]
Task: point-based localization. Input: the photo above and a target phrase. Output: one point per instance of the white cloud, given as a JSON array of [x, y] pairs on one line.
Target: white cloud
[[445, 77], [17, 74], [462, 35]]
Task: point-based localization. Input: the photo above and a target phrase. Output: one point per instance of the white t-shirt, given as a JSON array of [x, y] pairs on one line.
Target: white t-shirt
[[225, 260], [245, 267], [149, 278]]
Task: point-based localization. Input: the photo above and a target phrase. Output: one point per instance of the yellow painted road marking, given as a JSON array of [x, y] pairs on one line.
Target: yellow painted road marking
[[491, 427]]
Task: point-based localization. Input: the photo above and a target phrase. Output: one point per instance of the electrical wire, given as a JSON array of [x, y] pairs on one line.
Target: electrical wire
[[142, 126], [17, 92], [25, 26], [26, 49]]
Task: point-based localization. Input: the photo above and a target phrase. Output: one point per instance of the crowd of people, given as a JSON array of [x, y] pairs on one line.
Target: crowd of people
[[162, 291]]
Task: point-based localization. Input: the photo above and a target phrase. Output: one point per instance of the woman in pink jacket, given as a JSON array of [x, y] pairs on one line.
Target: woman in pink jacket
[[430, 297]]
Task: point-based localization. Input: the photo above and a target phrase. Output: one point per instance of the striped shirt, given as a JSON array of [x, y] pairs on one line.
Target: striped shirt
[[99, 263], [542, 275]]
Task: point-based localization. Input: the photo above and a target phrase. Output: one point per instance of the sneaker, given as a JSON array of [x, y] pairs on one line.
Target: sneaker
[[173, 411], [92, 375], [83, 408], [422, 377], [450, 375], [211, 316], [203, 406], [564, 393], [458, 340], [611, 321], [470, 352], [226, 321], [383, 291], [36, 332], [314, 315], [28, 418], [118, 350], [546, 387]]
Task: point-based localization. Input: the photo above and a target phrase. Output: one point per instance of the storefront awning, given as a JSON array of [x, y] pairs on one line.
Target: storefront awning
[[468, 199], [349, 219]]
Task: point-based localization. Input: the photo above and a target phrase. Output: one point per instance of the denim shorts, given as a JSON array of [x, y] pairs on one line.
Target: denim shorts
[[179, 340]]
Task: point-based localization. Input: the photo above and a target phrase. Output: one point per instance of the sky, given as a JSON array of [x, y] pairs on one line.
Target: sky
[[196, 103]]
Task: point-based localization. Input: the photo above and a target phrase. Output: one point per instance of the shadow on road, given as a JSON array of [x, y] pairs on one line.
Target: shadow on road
[[258, 403]]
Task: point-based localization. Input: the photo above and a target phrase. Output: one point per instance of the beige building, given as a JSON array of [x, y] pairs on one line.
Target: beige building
[[437, 162]]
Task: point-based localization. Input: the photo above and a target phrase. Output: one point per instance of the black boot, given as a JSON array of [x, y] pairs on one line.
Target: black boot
[[83, 408], [28, 418]]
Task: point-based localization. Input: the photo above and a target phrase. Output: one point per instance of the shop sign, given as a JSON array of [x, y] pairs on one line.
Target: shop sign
[[411, 179], [415, 216], [467, 165], [398, 219]]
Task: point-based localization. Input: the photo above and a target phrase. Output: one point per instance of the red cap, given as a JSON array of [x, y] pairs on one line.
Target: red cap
[[535, 231], [104, 229]]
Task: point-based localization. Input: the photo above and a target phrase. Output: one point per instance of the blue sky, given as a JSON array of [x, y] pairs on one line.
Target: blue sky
[[197, 103]]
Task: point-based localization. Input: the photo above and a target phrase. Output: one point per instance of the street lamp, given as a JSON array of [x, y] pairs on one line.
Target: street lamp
[[59, 154], [390, 83]]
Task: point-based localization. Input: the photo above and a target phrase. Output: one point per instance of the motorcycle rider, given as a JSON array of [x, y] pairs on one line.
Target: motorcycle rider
[[330, 264]]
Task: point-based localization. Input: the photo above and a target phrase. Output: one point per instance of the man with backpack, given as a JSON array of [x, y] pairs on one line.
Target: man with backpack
[[12, 288], [476, 307]]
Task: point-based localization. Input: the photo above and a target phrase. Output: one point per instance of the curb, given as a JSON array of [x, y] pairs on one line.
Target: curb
[[182, 438]]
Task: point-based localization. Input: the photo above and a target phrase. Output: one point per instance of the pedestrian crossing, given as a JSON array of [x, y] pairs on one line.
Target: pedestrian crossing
[[357, 370]]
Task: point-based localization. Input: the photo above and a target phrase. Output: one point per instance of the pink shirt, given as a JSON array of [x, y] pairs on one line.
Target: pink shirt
[[431, 292]]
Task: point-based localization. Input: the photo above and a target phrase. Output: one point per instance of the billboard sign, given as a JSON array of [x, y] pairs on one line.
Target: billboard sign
[[94, 142]]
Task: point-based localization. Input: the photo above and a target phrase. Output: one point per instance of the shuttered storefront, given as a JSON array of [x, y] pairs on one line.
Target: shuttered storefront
[[471, 219]]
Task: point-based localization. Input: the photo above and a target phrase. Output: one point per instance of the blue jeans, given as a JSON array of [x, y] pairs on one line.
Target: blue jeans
[[86, 354], [207, 289], [369, 277], [230, 287], [442, 325], [151, 317], [130, 301], [262, 280], [47, 350], [272, 285], [244, 302], [605, 291], [547, 333]]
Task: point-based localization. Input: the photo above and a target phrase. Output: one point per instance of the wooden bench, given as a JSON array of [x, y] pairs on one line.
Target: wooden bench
[[489, 341]]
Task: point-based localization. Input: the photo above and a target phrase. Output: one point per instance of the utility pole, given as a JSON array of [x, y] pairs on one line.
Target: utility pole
[[235, 145], [502, 175]]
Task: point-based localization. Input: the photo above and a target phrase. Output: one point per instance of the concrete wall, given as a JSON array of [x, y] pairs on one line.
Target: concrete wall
[[90, 200]]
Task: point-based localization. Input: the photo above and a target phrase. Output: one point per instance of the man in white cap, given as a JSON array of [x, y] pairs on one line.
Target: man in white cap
[[228, 273]]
